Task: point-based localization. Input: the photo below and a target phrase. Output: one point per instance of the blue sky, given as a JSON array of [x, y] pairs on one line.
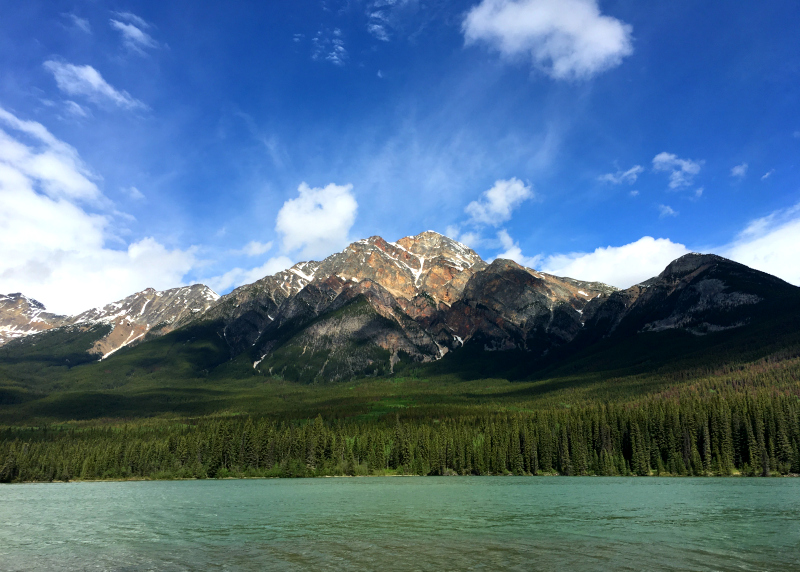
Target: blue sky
[[163, 143]]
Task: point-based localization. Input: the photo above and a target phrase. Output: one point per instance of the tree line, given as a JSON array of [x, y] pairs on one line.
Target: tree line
[[753, 434]]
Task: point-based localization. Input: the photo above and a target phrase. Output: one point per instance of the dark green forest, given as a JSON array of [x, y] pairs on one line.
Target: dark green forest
[[749, 430]]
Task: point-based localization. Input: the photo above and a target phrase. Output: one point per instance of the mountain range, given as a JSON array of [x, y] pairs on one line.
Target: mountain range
[[377, 304]]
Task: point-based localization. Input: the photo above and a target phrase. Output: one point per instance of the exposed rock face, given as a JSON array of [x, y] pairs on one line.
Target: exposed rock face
[[699, 293], [148, 311], [428, 265], [419, 297], [508, 306], [21, 316]]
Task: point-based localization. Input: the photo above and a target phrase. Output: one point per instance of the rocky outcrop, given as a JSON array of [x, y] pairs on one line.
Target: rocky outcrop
[[22, 316], [131, 319], [698, 293]]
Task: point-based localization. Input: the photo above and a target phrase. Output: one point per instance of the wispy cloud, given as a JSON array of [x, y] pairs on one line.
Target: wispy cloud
[[767, 175], [567, 39], [739, 171], [329, 46], [75, 109], [87, 81], [681, 171], [132, 18], [79, 23], [133, 37], [666, 210], [619, 177], [134, 193]]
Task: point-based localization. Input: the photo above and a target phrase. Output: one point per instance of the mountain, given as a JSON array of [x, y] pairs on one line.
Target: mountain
[[426, 299], [22, 316], [130, 319], [360, 311]]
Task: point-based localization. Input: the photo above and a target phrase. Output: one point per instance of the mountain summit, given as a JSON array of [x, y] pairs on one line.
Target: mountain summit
[[363, 310]]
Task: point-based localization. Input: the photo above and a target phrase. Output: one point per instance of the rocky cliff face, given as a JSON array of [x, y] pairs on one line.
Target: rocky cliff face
[[698, 293], [22, 316], [148, 311], [419, 297]]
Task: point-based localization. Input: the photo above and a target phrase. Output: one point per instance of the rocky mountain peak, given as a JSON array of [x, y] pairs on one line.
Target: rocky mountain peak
[[22, 316], [689, 264], [130, 318]]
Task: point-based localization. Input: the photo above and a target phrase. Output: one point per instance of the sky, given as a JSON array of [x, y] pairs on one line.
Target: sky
[[158, 144]]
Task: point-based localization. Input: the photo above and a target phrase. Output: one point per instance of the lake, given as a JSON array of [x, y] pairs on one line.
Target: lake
[[458, 523]]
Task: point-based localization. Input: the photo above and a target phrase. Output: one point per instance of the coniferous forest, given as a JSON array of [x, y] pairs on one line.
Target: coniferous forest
[[730, 411], [756, 433]]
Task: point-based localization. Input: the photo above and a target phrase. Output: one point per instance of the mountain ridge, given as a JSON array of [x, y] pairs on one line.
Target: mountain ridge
[[375, 304]]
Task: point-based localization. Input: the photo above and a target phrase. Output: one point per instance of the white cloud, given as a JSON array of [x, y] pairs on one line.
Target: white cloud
[[496, 205], [770, 244], [666, 210], [634, 193], [681, 171], [80, 23], [628, 176], [239, 276], [568, 39], [75, 109], [620, 266], [54, 248], [318, 221], [134, 38], [87, 81], [739, 171], [767, 175], [134, 193], [698, 192], [378, 31], [132, 18], [254, 248], [514, 252], [329, 46]]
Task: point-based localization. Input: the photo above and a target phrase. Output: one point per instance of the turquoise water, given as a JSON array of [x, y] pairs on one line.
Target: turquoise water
[[462, 523]]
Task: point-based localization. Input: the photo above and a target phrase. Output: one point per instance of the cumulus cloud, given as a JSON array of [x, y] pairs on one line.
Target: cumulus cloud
[[619, 177], [514, 252], [238, 276], [496, 205], [133, 37], [739, 171], [54, 231], [87, 81], [770, 244], [681, 171], [568, 39], [666, 210], [318, 221], [620, 266]]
